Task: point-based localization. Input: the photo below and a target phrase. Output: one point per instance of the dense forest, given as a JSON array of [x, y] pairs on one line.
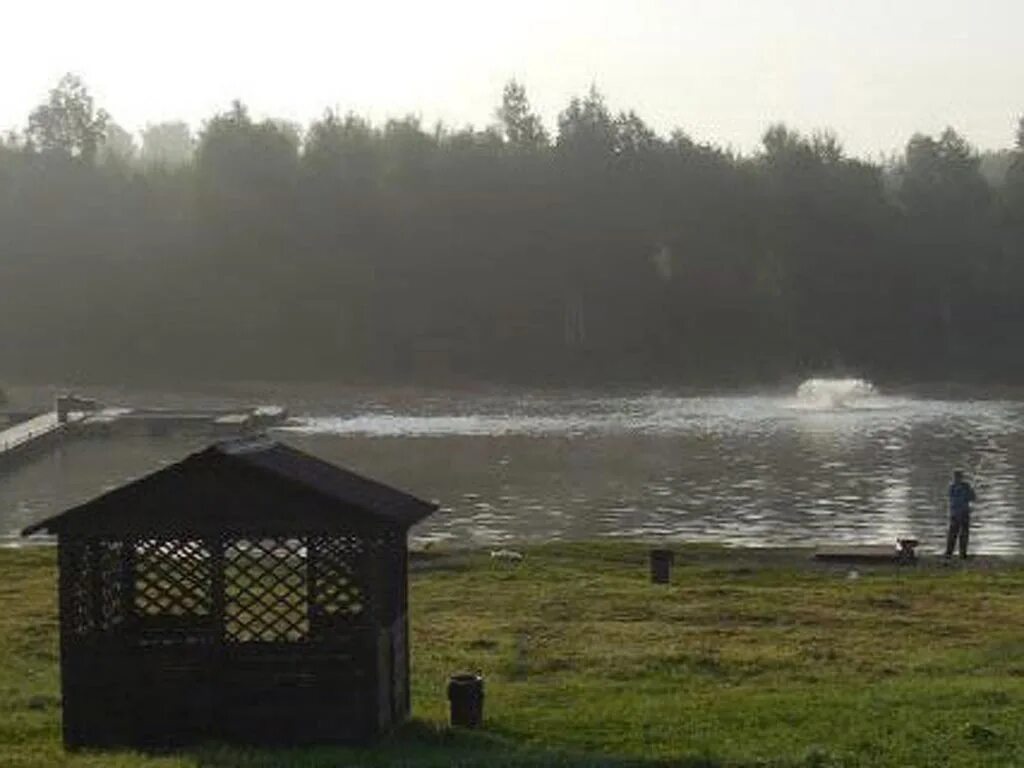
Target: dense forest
[[595, 251]]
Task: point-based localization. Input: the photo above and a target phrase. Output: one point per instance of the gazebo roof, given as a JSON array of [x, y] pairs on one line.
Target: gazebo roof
[[242, 485]]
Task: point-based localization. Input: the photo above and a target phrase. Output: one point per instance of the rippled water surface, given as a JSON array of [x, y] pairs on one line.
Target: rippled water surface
[[829, 463]]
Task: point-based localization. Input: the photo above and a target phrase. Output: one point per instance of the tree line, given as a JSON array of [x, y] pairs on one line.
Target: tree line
[[599, 251]]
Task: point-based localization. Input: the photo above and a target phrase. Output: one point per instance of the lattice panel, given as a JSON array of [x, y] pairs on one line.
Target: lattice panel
[[76, 582], [265, 591], [108, 558], [334, 574], [91, 586], [173, 578]]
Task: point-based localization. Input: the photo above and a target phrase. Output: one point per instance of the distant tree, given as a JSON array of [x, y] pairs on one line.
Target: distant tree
[[247, 172], [12, 139], [288, 128], [1014, 178], [168, 144], [118, 145], [243, 158], [950, 241], [519, 124], [995, 165], [406, 149], [826, 147], [341, 156], [68, 122], [785, 148], [1015, 171], [681, 141], [942, 176], [633, 136], [778, 141], [586, 126]]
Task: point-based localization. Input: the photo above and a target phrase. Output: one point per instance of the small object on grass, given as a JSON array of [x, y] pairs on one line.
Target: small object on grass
[[661, 565], [466, 699], [906, 553], [853, 575], [508, 555]]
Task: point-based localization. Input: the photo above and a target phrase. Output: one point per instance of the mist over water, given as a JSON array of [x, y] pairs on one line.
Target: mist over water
[[836, 460]]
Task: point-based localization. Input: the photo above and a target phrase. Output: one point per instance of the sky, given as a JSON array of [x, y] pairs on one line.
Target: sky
[[722, 70]]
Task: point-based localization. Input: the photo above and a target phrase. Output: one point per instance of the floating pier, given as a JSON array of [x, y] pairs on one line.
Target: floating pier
[[75, 416], [902, 553], [28, 437]]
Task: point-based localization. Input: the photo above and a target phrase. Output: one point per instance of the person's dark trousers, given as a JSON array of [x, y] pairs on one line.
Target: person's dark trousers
[[959, 528]]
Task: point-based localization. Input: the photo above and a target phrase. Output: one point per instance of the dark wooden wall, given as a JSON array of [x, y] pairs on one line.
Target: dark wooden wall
[[285, 639]]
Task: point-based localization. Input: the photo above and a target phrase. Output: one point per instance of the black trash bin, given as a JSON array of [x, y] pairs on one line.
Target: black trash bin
[[466, 695], [661, 565]]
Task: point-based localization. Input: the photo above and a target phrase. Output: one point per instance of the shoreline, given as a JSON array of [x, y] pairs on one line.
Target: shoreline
[[705, 553], [697, 552]]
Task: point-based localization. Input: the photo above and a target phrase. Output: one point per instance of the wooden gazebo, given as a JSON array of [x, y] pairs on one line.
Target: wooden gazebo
[[249, 593]]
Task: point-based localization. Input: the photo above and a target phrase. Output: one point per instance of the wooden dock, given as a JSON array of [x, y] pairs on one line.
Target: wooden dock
[[78, 417], [19, 440]]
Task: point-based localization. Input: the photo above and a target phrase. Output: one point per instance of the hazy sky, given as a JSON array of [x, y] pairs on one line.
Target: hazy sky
[[873, 70]]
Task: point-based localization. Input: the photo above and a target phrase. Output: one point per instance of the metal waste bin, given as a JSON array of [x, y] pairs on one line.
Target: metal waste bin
[[661, 565], [466, 696]]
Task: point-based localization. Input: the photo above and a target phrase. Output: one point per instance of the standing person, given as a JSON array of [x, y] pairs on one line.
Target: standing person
[[960, 497]]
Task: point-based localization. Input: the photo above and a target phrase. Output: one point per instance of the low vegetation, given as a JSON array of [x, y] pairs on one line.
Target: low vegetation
[[746, 659]]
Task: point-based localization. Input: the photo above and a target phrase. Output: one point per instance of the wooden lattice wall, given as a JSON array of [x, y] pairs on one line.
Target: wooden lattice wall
[[254, 637]]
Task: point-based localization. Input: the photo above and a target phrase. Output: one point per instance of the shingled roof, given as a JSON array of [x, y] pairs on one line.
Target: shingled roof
[[262, 475]]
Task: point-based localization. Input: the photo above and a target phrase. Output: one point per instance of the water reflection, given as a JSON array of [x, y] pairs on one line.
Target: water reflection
[[746, 470]]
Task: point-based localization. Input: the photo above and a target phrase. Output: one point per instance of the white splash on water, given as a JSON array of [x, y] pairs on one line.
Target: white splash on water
[[831, 394]]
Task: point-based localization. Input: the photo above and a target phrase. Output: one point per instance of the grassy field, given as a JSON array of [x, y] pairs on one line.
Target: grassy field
[[746, 659]]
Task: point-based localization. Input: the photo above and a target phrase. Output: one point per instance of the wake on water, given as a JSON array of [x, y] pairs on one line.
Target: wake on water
[[575, 416]]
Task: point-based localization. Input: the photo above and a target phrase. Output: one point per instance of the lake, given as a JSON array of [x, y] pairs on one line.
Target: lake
[[835, 461]]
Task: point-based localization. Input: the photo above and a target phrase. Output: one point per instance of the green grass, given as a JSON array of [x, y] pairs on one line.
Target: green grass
[[747, 659]]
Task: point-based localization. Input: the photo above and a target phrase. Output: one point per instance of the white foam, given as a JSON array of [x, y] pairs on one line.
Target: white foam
[[823, 393]]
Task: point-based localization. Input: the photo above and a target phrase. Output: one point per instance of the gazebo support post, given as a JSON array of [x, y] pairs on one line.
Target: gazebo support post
[[127, 579]]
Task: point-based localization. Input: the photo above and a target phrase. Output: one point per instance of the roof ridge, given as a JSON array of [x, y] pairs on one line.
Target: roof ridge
[[344, 492]]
